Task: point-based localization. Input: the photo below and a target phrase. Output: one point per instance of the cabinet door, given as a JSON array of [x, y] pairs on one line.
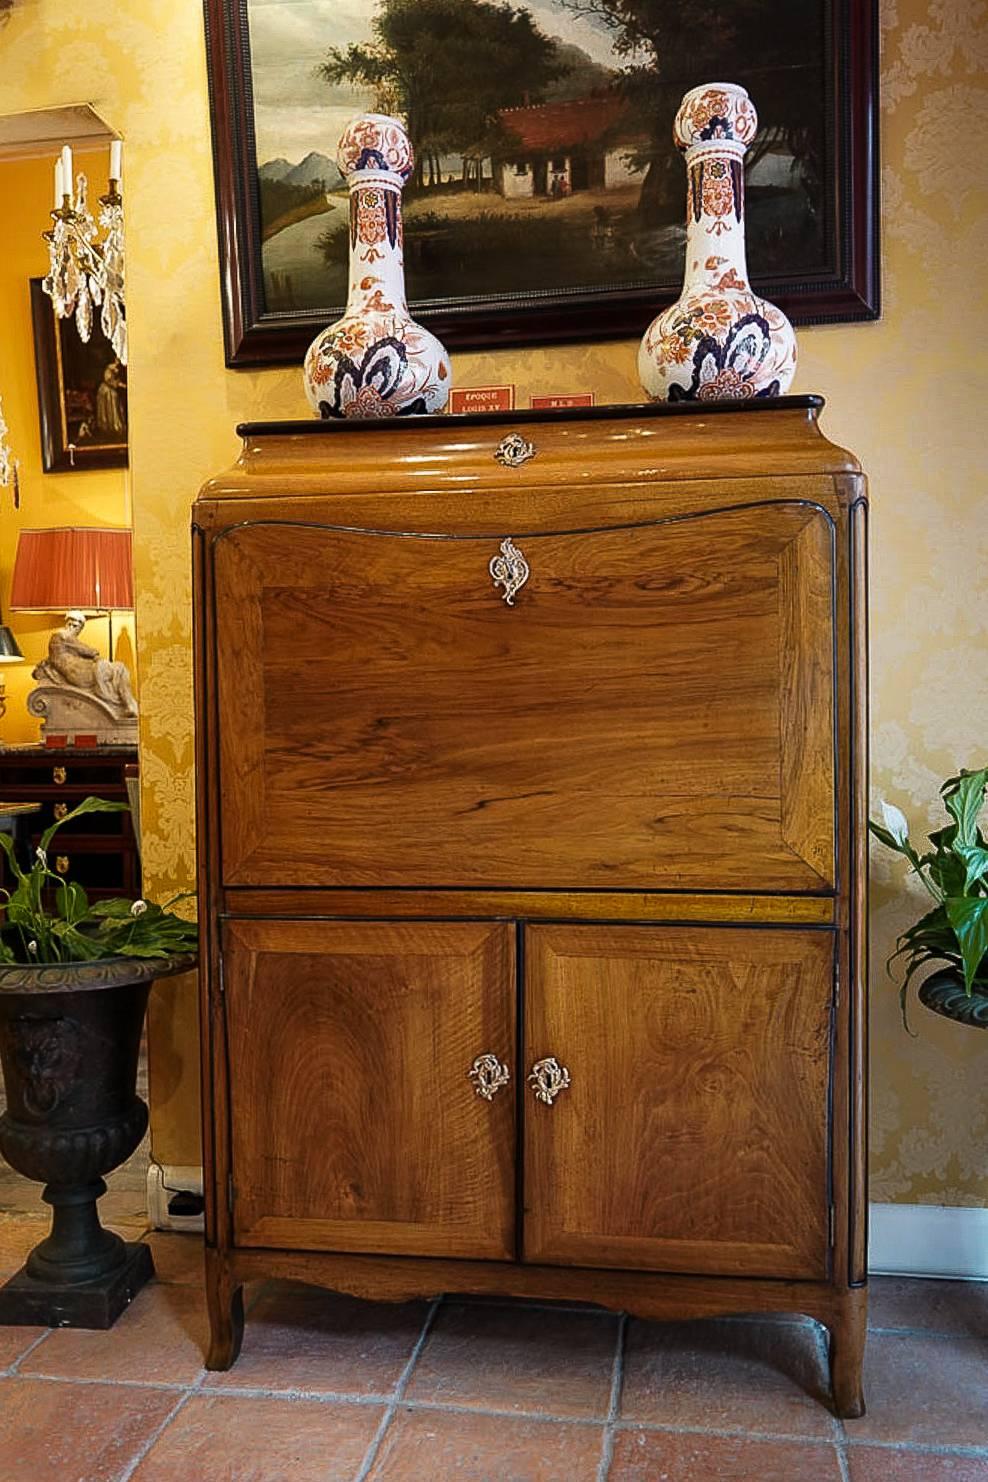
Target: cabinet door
[[355, 1123], [654, 710], [693, 1133]]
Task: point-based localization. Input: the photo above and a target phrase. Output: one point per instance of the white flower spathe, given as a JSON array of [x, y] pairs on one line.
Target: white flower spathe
[[138, 908], [896, 822]]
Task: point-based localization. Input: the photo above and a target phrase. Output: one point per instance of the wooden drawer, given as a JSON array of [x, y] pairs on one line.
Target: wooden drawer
[[60, 776], [694, 1132], [654, 711]]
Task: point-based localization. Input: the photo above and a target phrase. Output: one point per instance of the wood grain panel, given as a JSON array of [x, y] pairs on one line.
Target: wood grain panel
[[389, 720], [354, 1124], [693, 1135], [552, 905], [806, 701]]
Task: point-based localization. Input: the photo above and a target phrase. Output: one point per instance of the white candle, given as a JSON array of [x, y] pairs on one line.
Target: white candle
[[59, 186], [116, 153], [67, 183]]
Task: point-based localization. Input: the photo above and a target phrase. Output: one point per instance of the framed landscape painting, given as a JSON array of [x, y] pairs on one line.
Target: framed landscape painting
[[548, 199], [82, 392]]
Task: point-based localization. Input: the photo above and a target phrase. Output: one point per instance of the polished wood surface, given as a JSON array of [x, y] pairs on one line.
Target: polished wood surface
[[619, 823], [357, 1039], [534, 905], [691, 693], [693, 1135]]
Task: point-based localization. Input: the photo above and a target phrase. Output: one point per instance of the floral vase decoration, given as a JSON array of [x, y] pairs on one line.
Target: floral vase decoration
[[718, 341], [376, 361]]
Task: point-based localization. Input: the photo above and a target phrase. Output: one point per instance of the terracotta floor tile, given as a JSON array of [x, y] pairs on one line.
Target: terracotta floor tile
[[646, 1456], [223, 1438], [302, 1338], [14, 1341], [768, 1377], [17, 1236], [518, 1358], [450, 1447], [931, 1391], [886, 1464], [160, 1339], [177, 1257], [74, 1432], [959, 1307]]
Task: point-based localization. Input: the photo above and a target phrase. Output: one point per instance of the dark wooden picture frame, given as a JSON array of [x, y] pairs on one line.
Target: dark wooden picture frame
[[69, 375], [846, 290]]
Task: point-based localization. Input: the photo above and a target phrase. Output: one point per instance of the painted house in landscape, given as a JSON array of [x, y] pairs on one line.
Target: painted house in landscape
[[559, 148]]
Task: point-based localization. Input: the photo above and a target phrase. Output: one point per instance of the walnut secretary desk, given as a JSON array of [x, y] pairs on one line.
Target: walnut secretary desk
[[531, 760]]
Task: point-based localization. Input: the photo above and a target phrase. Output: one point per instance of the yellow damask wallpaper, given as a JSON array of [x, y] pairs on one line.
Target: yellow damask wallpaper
[[907, 394]]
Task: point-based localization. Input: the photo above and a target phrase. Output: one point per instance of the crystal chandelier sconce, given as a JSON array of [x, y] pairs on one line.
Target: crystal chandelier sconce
[[86, 255], [9, 466]]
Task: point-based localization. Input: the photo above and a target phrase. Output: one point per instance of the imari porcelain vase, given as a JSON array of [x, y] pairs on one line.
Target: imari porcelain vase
[[376, 361], [718, 340]]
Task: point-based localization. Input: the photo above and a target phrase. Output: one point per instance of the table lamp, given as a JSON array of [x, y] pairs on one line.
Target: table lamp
[[72, 567]]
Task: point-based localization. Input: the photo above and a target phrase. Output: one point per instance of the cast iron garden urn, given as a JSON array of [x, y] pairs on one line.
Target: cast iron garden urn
[[69, 1040]]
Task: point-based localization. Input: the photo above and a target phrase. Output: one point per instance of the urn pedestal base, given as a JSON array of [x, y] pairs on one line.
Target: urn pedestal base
[[26, 1301]]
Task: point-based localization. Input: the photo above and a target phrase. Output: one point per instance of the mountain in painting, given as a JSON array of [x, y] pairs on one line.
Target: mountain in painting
[[313, 169]]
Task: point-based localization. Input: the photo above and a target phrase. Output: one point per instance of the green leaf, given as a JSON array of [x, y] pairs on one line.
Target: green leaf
[[72, 900], [114, 909], [7, 845], [975, 857], [88, 805], [964, 798], [969, 918]]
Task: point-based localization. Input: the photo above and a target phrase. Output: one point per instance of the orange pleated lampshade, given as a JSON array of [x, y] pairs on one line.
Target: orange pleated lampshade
[[59, 569]]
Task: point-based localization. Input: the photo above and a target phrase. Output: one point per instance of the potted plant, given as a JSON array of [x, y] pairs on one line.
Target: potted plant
[[74, 982], [954, 871]]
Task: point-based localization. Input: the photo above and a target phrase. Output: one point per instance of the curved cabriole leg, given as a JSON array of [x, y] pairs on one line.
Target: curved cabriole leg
[[847, 1343], [225, 1300]]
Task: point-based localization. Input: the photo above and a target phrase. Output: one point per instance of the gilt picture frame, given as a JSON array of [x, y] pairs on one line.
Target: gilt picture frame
[[82, 393], [557, 216]]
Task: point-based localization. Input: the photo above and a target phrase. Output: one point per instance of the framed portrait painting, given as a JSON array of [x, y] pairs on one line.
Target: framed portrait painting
[[82, 393], [548, 199]]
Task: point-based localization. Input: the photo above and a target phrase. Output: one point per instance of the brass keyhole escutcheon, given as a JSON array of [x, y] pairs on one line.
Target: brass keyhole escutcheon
[[58, 775], [61, 864], [61, 809], [488, 1075], [547, 1078]]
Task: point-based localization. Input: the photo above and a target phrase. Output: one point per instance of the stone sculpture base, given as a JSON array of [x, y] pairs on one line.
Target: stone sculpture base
[[69, 712]]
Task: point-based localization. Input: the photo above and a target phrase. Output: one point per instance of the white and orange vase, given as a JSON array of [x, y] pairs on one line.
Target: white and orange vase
[[376, 361], [718, 341]]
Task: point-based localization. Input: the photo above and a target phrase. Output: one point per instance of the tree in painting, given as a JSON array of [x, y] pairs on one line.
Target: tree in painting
[[667, 47], [449, 67]]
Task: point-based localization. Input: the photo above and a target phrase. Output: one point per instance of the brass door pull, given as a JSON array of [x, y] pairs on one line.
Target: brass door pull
[[547, 1078], [488, 1076], [58, 775], [62, 864], [61, 809]]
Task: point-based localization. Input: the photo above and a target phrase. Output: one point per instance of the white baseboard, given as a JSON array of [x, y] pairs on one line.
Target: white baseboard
[[928, 1240], [164, 1182]]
